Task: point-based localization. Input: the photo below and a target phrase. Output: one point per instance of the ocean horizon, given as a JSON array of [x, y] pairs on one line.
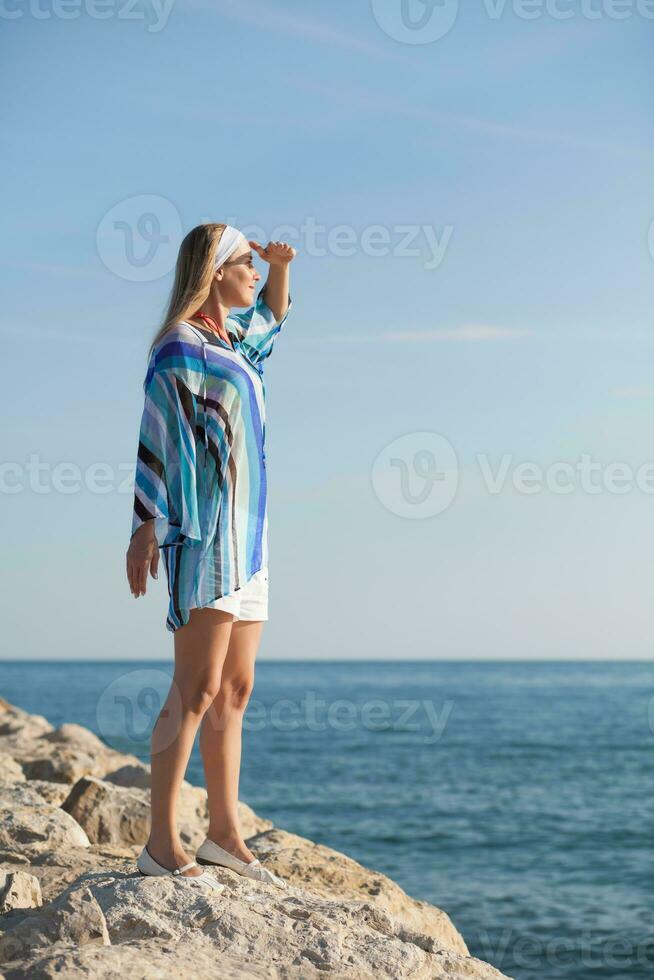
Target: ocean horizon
[[514, 795]]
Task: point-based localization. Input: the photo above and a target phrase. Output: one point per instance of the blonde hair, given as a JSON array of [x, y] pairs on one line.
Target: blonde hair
[[193, 275]]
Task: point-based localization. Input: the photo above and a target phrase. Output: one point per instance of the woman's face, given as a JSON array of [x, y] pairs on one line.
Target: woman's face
[[239, 279]]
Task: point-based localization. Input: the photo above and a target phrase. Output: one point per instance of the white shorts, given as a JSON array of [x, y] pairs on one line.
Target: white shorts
[[248, 602]]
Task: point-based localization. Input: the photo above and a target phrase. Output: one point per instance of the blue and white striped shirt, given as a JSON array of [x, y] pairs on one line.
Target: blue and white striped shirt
[[200, 469]]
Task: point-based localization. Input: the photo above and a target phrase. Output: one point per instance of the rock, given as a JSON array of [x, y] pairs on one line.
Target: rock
[[78, 737], [193, 813], [289, 933], [74, 814], [75, 738], [16, 724], [193, 804], [24, 793], [329, 873], [109, 813], [19, 890], [74, 918], [57, 765], [29, 825], [58, 868], [149, 960], [54, 793], [10, 770], [132, 775], [113, 814], [61, 755]]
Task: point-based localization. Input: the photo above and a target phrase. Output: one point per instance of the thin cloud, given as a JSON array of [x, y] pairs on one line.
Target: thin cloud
[[266, 17], [386, 105], [95, 338], [467, 334], [54, 268]]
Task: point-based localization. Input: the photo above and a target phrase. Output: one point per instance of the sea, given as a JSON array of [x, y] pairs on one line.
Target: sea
[[516, 796]]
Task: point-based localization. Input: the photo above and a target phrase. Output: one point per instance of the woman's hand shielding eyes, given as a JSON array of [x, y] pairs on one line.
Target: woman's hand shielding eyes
[[275, 253]]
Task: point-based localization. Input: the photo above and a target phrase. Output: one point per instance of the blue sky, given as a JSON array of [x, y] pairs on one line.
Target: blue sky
[[478, 283]]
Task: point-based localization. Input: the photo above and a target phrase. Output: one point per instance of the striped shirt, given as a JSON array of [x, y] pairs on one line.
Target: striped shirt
[[201, 465]]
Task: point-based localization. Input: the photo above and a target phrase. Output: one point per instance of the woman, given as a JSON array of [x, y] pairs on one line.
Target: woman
[[200, 497]]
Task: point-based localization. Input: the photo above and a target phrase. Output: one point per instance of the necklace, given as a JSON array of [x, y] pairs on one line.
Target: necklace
[[213, 326]]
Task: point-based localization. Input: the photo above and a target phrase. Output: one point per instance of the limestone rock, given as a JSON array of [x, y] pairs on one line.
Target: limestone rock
[[61, 755], [56, 869], [134, 775], [29, 825], [77, 737], [74, 918], [193, 811], [25, 793], [108, 813], [329, 873], [120, 815], [19, 890], [193, 804], [16, 724], [292, 933], [10, 770], [54, 793], [149, 960], [56, 765], [63, 786]]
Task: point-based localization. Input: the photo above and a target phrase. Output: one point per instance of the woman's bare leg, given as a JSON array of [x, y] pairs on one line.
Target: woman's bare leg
[[220, 738], [200, 650]]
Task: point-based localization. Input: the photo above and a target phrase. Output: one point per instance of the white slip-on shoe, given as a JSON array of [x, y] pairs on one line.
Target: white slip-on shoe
[[212, 853], [148, 867]]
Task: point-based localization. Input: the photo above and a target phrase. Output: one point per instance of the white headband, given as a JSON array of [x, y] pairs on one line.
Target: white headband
[[230, 239]]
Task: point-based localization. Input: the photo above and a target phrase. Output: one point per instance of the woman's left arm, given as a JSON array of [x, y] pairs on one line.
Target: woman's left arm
[[279, 256]]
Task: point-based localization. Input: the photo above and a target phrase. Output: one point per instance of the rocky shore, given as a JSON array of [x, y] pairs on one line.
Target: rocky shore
[[73, 817]]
